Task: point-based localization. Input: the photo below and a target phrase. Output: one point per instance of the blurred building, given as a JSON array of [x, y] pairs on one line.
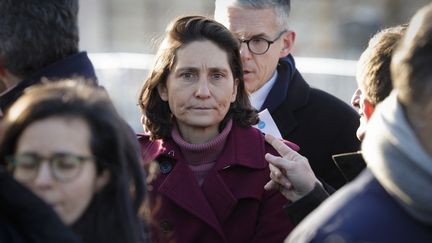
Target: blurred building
[[131, 25], [325, 29]]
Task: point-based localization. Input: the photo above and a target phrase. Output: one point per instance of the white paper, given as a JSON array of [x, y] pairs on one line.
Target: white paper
[[267, 124]]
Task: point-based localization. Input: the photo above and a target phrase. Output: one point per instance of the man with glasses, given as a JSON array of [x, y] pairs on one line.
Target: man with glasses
[[318, 122]]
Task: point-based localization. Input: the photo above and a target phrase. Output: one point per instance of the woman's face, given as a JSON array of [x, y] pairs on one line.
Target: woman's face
[[200, 87], [59, 136]]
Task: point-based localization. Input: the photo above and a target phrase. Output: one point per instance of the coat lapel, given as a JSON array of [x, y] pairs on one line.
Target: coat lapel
[[232, 178], [297, 96], [181, 187], [285, 121], [289, 93]]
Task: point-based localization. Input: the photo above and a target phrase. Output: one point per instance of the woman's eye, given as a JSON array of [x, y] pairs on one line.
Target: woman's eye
[[217, 76], [66, 165], [188, 75], [27, 165]]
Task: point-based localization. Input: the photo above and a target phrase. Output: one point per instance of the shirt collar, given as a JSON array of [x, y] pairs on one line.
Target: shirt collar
[[258, 97]]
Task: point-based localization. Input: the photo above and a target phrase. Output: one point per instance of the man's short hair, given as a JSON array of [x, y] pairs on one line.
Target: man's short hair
[[34, 34], [411, 66], [373, 68], [281, 8]]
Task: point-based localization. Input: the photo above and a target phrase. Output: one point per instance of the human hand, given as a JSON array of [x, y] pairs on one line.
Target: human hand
[[290, 173]]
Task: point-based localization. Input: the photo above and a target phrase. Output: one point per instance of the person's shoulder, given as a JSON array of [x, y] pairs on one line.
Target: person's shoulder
[[253, 134], [150, 149], [143, 137], [268, 148], [333, 107], [246, 132], [362, 211], [319, 95], [348, 211]]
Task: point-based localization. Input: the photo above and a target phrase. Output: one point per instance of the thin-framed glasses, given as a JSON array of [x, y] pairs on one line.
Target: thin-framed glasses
[[260, 45], [63, 167]]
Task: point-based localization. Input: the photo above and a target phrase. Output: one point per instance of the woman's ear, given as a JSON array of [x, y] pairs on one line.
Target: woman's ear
[[102, 180], [234, 94], [163, 92]]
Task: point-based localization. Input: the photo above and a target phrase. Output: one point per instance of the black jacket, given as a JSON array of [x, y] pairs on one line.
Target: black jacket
[[349, 164], [321, 124], [27, 219], [77, 65], [362, 211]]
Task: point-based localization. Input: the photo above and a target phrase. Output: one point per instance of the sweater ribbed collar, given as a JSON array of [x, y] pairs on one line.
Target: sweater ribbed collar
[[205, 152]]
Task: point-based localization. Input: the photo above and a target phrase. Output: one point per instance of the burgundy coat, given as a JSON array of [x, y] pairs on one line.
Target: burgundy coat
[[230, 206]]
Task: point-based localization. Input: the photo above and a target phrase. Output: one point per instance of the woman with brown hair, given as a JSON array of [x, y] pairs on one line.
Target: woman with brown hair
[[66, 143], [206, 163]]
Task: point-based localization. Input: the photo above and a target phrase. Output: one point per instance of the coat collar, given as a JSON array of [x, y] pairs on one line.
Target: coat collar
[[237, 154], [75, 65], [278, 93], [289, 93], [234, 154]]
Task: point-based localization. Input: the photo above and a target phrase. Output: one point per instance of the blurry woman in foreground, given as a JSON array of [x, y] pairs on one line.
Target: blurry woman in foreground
[[206, 163], [68, 145]]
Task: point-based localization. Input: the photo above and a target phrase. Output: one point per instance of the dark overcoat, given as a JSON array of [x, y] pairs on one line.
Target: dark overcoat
[[321, 124]]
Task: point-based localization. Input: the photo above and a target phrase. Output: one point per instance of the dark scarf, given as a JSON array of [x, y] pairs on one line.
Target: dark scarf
[[286, 69]]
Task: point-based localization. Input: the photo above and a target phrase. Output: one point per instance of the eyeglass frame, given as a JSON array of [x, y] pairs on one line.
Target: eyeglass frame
[[269, 42], [39, 159]]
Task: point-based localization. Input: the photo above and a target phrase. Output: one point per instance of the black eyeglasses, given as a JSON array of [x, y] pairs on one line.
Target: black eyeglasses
[[259, 45], [63, 167]]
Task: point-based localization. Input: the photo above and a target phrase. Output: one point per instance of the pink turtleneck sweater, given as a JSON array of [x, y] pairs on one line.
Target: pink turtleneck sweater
[[202, 157]]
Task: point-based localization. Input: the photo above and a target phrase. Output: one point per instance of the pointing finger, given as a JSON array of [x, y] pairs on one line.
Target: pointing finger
[[283, 149]]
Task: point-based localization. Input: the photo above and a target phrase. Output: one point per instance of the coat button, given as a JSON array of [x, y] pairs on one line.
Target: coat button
[[165, 167], [166, 226]]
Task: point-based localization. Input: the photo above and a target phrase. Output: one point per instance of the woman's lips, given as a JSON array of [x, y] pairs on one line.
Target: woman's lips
[[201, 108]]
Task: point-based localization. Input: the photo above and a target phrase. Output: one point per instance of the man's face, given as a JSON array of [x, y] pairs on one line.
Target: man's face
[[247, 23]]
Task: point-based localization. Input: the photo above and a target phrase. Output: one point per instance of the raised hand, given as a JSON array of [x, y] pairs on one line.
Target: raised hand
[[290, 173]]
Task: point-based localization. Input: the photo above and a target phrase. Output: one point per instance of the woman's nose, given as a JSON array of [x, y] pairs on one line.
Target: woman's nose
[[203, 90], [44, 176]]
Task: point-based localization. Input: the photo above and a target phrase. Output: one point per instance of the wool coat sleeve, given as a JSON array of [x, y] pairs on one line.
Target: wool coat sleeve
[[274, 225]]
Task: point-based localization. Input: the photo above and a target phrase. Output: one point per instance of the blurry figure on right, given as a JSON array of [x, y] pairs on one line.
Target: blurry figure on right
[[374, 85], [373, 73], [389, 201]]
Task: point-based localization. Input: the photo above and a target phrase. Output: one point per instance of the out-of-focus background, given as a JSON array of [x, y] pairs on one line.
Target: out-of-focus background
[[122, 36]]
